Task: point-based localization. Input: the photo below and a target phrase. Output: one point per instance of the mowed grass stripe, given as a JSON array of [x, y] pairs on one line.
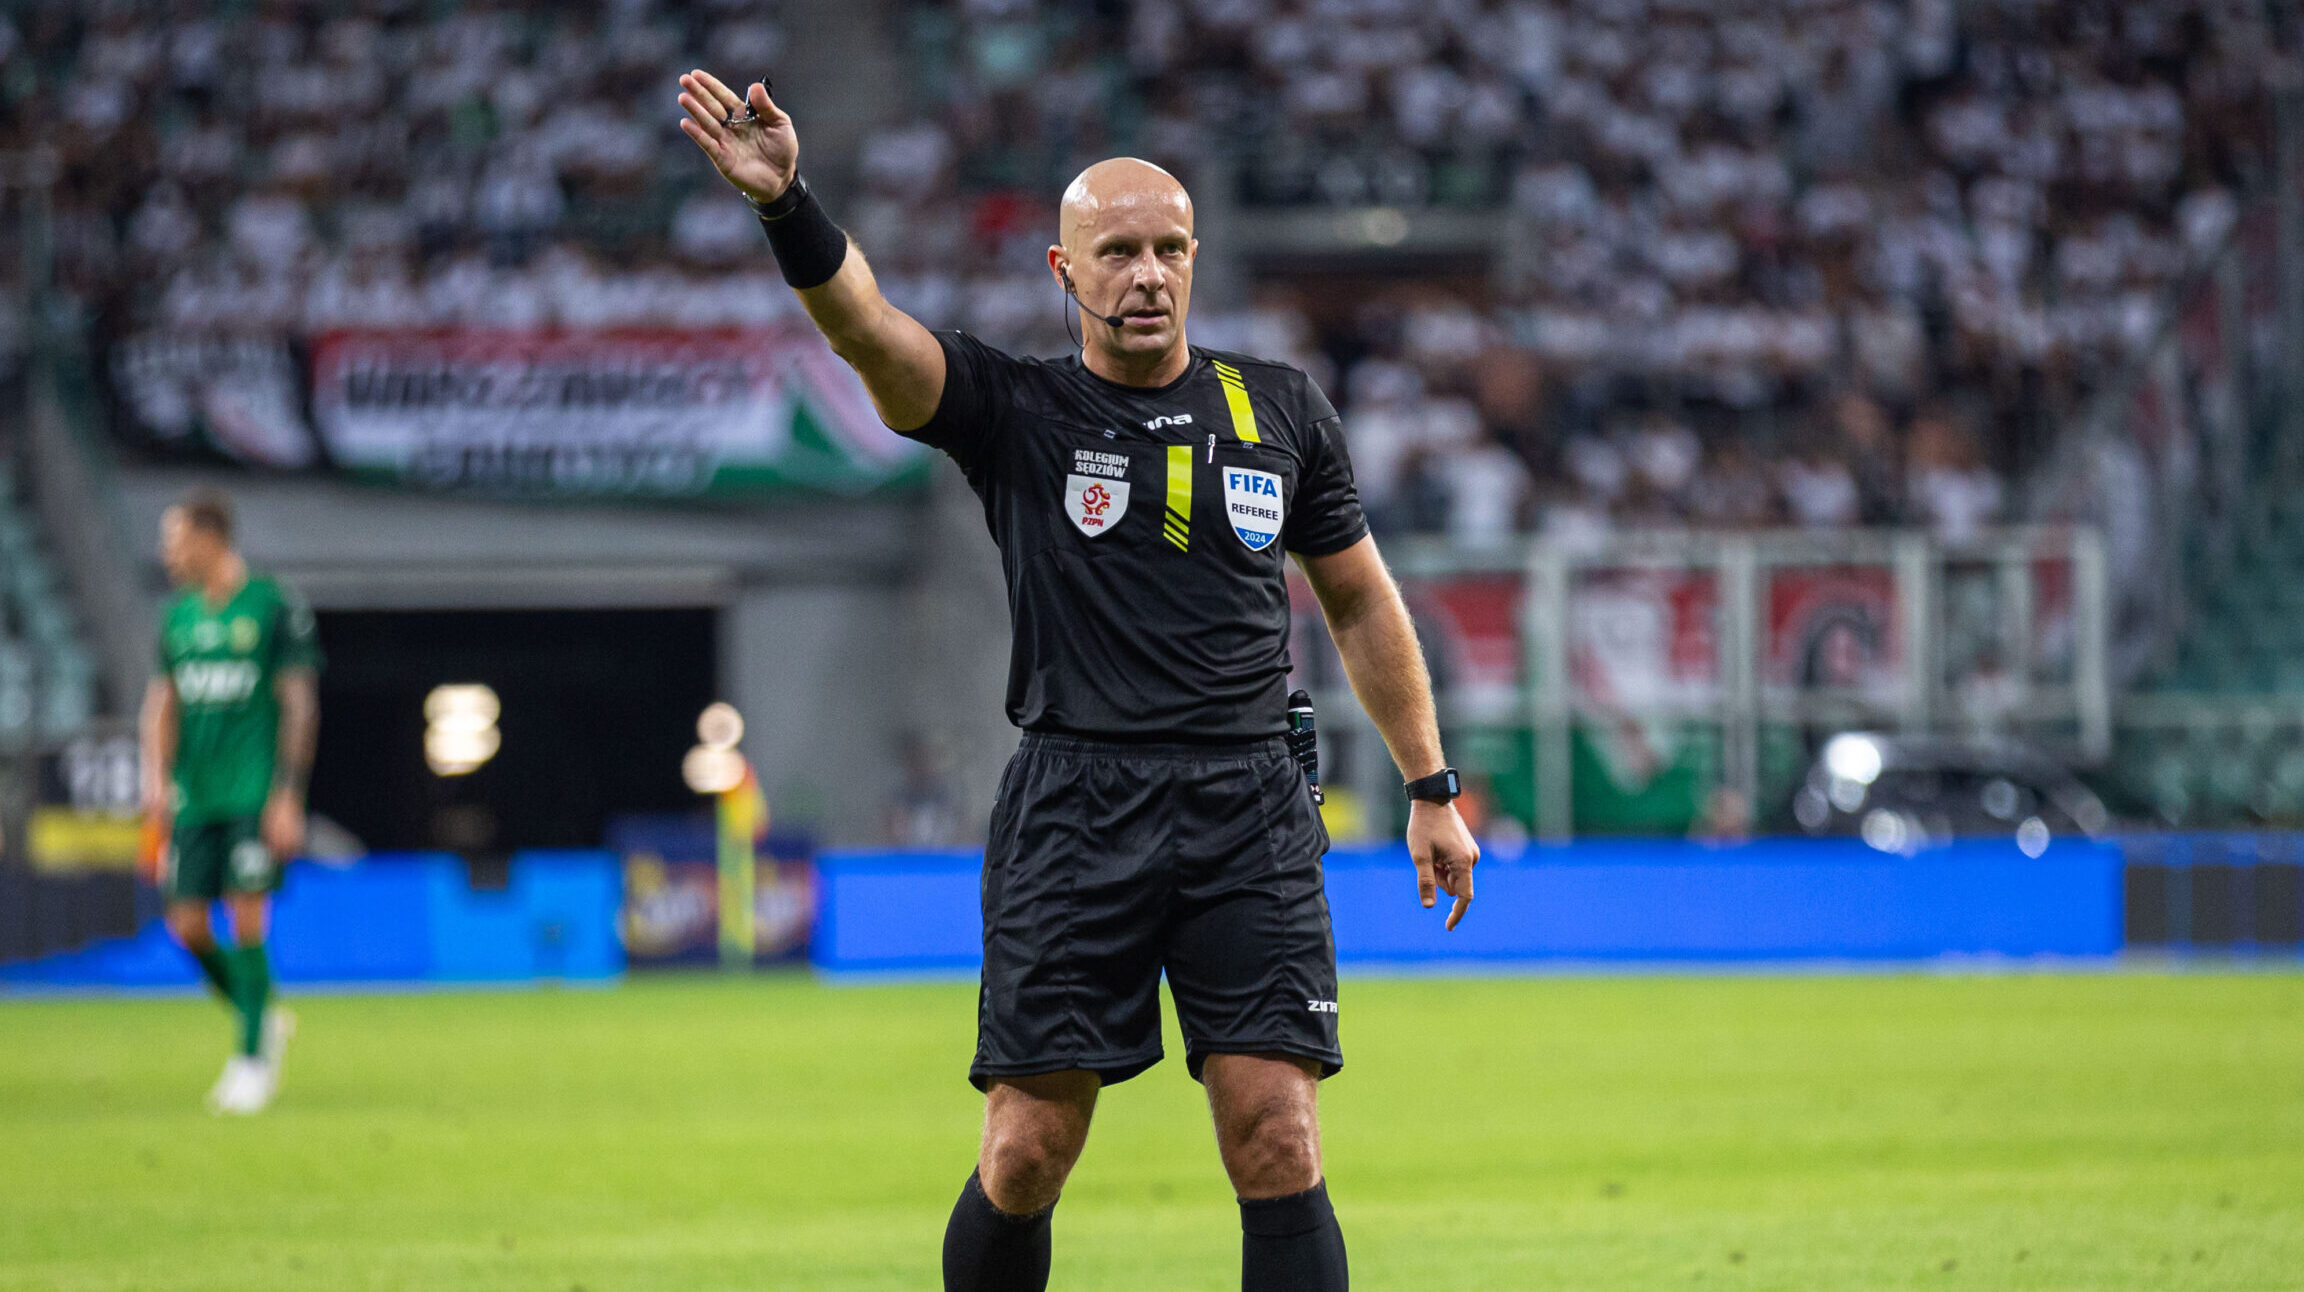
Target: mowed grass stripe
[[2128, 1130]]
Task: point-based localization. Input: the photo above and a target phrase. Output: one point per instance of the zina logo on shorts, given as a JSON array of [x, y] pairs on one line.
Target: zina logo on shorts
[[1095, 505], [1321, 1006], [1252, 499]]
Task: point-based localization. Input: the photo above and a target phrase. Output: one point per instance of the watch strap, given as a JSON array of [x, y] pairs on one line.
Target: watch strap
[[784, 203], [1443, 786]]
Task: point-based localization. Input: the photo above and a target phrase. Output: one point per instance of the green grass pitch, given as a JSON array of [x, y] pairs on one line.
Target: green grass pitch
[[2089, 1132]]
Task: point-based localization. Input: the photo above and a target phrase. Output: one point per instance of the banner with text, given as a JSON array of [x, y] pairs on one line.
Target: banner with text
[[636, 413], [625, 413]]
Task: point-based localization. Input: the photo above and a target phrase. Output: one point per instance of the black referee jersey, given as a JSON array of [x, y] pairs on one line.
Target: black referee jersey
[[1142, 531]]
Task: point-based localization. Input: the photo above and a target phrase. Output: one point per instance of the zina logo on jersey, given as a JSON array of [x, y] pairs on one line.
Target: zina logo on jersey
[[1094, 505], [1252, 499], [1177, 419]]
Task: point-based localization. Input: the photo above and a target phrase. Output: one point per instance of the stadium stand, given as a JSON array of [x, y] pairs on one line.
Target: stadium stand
[[1823, 262], [397, 165], [1840, 261], [47, 672]]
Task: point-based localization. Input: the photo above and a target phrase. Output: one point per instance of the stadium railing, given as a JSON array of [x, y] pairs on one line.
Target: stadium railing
[[1617, 685]]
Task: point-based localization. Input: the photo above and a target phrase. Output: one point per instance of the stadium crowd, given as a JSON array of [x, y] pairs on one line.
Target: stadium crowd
[[304, 165], [1819, 262]]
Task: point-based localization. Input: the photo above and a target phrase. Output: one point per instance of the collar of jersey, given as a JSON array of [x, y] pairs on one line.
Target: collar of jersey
[[1191, 370]]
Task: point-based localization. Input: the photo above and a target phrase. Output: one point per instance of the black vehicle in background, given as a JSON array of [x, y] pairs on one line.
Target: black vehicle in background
[[1903, 793]]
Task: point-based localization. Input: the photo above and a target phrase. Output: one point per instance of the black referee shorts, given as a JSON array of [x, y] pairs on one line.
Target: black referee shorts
[[1111, 862]]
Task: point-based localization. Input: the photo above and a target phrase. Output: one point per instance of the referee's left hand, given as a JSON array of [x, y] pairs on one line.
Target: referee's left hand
[[1442, 848]]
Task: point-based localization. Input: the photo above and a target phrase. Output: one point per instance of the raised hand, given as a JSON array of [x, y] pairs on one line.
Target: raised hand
[[759, 155]]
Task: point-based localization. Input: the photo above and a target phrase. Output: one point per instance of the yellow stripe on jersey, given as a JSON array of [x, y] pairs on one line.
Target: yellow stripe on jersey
[[1236, 397], [1177, 523]]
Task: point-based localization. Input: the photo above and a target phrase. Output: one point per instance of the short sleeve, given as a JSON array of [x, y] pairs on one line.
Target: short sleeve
[[978, 381], [162, 663], [296, 641], [1327, 517]]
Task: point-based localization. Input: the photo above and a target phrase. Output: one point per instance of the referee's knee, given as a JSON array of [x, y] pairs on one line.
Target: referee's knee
[[1024, 1164], [1031, 1141], [1273, 1151]]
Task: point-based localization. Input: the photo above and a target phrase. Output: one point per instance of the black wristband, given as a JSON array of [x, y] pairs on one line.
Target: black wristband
[[779, 206], [809, 248], [1442, 786]]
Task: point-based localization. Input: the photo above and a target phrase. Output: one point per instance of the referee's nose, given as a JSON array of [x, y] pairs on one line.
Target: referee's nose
[[1148, 276]]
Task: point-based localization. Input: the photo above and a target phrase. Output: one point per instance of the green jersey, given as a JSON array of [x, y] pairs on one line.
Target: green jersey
[[224, 661]]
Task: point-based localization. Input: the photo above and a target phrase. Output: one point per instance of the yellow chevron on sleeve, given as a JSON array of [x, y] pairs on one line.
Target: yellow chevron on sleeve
[[1236, 398], [1177, 522]]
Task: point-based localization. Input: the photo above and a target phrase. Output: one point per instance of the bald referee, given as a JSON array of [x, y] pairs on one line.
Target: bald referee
[[1142, 494]]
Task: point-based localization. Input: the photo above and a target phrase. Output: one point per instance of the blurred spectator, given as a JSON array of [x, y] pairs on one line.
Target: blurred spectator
[[1952, 491], [1861, 428], [1819, 489], [1486, 486], [1732, 491]]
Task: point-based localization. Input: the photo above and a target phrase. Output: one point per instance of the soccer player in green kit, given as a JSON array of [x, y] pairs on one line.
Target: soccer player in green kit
[[230, 720]]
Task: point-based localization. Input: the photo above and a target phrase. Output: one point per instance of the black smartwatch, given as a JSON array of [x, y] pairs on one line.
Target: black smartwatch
[[1443, 786]]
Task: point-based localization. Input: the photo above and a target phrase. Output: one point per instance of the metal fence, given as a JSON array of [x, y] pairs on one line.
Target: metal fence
[[1624, 684]]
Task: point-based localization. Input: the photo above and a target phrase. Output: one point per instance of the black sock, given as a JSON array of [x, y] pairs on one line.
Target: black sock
[[1292, 1244], [988, 1250]]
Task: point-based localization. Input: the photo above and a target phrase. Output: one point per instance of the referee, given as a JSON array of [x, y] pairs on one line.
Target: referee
[[1141, 494]]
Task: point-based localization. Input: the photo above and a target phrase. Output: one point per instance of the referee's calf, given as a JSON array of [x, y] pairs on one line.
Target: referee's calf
[[1142, 493]]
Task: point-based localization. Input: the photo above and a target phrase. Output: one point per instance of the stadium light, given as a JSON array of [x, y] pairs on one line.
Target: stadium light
[[715, 766], [2032, 836], [1853, 757], [712, 771], [1890, 831], [720, 726], [460, 728]]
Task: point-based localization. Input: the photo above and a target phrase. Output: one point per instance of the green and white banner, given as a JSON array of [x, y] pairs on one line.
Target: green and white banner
[[623, 413], [631, 413]]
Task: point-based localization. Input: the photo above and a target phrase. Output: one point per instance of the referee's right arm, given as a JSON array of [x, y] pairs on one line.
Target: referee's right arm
[[901, 363]]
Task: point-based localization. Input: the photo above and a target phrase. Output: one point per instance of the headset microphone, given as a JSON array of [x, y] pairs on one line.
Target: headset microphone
[[1109, 320]]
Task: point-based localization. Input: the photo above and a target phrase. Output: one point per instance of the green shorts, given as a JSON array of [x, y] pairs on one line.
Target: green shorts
[[211, 859]]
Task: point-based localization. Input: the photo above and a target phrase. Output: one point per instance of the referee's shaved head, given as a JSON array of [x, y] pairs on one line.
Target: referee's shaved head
[[1112, 184], [1125, 251]]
